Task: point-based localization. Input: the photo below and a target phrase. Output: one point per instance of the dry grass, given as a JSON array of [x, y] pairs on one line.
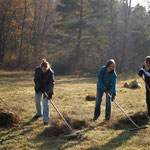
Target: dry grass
[[16, 89], [59, 128], [8, 118]]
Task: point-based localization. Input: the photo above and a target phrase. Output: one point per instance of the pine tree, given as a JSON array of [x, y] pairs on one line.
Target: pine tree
[[81, 24]]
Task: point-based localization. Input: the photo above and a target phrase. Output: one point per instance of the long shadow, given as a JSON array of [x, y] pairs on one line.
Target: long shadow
[[116, 142], [61, 141], [57, 133], [140, 118], [15, 74], [77, 79], [9, 137]]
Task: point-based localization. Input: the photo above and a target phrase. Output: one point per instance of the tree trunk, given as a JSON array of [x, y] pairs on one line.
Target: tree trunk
[[34, 31], [125, 38], [22, 32], [2, 39], [78, 51], [113, 32], [45, 23]]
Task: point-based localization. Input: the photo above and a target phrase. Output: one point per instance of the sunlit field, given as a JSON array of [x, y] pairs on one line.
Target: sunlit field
[[17, 90]]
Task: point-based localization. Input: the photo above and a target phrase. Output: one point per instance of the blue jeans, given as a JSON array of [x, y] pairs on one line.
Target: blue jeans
[[46, 115], [98, 104]]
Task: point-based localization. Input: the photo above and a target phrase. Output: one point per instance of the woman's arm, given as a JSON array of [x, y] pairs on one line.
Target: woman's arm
[[114, 81], [100, 80]]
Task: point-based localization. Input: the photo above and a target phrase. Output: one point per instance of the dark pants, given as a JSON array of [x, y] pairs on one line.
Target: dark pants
[[148, 100], [98, 104]]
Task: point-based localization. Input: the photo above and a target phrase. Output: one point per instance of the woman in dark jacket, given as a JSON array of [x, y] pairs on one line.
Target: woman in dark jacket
[[146, 72], [44, 82], [106, 83]]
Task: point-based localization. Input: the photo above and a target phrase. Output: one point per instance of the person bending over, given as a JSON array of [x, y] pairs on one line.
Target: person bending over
[[146, 72], [44, 82], [106, 83]]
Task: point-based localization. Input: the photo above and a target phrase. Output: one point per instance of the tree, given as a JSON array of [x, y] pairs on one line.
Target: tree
[[81, 24], [140, 32]]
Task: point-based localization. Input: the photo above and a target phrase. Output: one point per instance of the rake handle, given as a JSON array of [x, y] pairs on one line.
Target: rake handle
[[60, 114], [123, 111], [4, 102], [126, 114]]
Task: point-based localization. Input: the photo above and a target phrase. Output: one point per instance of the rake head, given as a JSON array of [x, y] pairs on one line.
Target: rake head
[[138, 128], [74, 135]]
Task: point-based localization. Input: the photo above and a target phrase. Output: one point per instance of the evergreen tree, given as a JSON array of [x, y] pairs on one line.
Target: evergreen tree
[[81, 26]]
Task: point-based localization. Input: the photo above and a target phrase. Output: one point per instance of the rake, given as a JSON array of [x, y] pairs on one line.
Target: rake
[[137, 127], [8, 107], [73, 134]]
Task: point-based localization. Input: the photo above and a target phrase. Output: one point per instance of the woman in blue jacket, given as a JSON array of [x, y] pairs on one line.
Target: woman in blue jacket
[[106, 83]]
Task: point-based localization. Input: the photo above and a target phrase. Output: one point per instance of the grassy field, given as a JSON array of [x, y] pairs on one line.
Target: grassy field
[[16, 89]]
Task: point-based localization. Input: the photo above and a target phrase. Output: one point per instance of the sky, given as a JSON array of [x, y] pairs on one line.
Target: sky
[[141, 2]]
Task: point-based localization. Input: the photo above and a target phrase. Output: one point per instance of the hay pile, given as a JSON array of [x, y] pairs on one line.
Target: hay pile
[[8, 117], [58, 127], [90, 98], [140, 118]]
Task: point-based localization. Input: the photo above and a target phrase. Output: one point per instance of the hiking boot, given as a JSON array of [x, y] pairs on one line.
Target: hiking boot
[[107, 118], [36, 116], [46, 123], [95, 118]]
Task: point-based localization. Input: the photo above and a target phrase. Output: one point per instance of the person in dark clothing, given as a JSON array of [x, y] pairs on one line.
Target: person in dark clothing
[[44, 82], [106, 83], [146, 72]]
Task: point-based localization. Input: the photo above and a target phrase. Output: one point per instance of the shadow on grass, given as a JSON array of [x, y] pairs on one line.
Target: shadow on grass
[[140, 118], [54, 136], [11, 133], [57, 140], [116, 142], [76, 79]]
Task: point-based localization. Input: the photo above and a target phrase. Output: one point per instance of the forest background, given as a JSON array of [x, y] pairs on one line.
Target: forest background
[[75, 36]]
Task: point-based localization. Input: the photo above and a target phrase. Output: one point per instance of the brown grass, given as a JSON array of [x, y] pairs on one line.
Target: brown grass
[[8, 118], [58, 127], [140, 118]]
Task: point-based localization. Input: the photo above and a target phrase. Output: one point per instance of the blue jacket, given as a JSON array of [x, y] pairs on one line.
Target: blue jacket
[[107, 80]]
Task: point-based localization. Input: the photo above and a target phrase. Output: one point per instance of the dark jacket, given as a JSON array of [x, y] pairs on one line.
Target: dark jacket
[[44, 82], [147, 78], [107, 80]]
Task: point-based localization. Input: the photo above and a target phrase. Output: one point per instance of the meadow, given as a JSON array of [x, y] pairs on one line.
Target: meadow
[[17, 90]]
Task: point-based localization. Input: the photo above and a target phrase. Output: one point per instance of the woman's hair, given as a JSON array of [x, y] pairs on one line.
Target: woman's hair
[[147, 59], [45, 64], [109, 62]]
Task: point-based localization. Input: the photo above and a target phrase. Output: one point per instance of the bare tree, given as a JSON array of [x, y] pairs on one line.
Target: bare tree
[[22, 32], [127, 12]]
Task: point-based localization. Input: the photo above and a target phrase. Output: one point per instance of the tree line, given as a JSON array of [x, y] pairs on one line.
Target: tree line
[[75, 36]]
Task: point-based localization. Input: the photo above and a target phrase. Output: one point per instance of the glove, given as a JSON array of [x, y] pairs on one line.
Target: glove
[[104, 90], [50, 94], [140, 73], [113, 96], [37, 87]]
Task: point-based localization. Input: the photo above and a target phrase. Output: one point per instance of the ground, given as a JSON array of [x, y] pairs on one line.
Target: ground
[[17, 90]]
